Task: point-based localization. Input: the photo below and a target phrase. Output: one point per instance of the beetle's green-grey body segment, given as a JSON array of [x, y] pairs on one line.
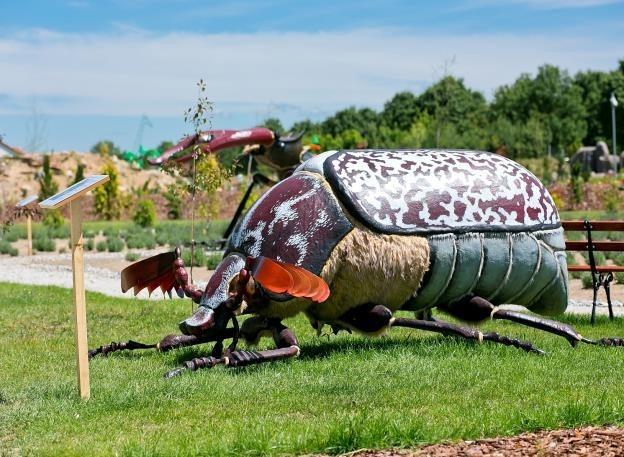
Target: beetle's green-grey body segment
[[517, 268]]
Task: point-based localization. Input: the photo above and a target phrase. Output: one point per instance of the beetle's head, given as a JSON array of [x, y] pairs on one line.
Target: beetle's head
[[251, 282], [220, 299], [212, 141], [283, 155]]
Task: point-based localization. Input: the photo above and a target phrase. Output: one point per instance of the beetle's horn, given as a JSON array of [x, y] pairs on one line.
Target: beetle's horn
[[213, 141]]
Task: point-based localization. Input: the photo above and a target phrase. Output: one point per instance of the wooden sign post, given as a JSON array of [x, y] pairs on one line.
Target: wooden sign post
[[73, 195], [22, 204]]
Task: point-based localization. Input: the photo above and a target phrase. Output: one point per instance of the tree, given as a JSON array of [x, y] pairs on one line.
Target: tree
[[454, 109], [274, 124], [164, 145], [306, 126], [105, 148], [79, 173], [550, 99], [401, 111], [47, 186], [364, 121], [596, 88]]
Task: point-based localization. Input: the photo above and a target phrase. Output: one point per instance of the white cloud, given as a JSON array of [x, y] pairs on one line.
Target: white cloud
[[134, 72]]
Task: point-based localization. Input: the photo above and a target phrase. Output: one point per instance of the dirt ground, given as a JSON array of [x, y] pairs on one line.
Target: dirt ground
[[17, 177], [588, 441]]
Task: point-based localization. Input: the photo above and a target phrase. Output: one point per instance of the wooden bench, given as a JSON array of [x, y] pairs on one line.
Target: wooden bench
[[602, 275]]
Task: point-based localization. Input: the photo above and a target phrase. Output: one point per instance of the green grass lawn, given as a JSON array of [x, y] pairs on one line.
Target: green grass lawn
[[343, 393]]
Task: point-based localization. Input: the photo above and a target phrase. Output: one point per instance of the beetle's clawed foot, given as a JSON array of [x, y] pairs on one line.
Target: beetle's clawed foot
[[609, 341], [337, 328], [194, 365], [118, 346]]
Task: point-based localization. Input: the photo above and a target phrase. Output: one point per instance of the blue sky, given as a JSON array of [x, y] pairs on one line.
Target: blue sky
[[91, 69]]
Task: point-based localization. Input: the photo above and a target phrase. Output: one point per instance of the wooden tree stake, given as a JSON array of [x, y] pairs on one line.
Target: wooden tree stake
[[29, 233]]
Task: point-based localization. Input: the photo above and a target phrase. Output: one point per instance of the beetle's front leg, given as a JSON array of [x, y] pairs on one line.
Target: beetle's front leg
[[168, 343], [181, 276], [285, 340]]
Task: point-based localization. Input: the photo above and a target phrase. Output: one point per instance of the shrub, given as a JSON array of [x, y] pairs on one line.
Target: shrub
[[616, 236], [53, 219], [174, 202], [111, 230], [115, 244], [570, 258], [145, 213], [101, 246], [90, 233], [575, 274], [44, 244], [619, 277], [59, 231], [107, 197], [618, 259], [586, 279], [139, 240], [199, 258], [11, 236], [132, 256], [6, 248], [89, 244], [212, 260], [599, 257]]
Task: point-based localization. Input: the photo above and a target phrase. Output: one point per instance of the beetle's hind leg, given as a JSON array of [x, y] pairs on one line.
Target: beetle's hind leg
[[478, 306], [469, 333], [376, 319], [285, 340]]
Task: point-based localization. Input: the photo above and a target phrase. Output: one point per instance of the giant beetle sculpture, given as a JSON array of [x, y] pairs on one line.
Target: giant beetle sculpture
[[351, 237]]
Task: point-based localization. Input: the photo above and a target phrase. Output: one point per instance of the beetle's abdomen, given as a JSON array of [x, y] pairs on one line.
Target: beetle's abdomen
[[438, 191], [522, 268]]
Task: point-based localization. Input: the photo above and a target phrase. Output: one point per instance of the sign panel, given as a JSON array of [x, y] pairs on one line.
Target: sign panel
[[27, 201], [74, 191]]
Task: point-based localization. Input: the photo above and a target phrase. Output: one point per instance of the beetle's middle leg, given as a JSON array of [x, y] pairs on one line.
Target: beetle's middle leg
[[479, 308], [285, 340]]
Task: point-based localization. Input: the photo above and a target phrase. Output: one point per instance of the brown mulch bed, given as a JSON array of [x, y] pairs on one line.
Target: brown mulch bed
[[587, 441]]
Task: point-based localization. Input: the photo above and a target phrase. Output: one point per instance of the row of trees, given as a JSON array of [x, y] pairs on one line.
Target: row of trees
[[548, 111]]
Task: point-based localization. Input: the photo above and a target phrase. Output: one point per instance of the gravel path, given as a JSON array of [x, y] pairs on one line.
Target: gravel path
[[102, 274]]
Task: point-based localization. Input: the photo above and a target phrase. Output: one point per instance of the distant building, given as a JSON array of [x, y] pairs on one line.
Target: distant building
[[596, 159]]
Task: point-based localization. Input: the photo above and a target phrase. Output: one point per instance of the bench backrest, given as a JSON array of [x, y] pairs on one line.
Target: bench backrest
[[597, 226]]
